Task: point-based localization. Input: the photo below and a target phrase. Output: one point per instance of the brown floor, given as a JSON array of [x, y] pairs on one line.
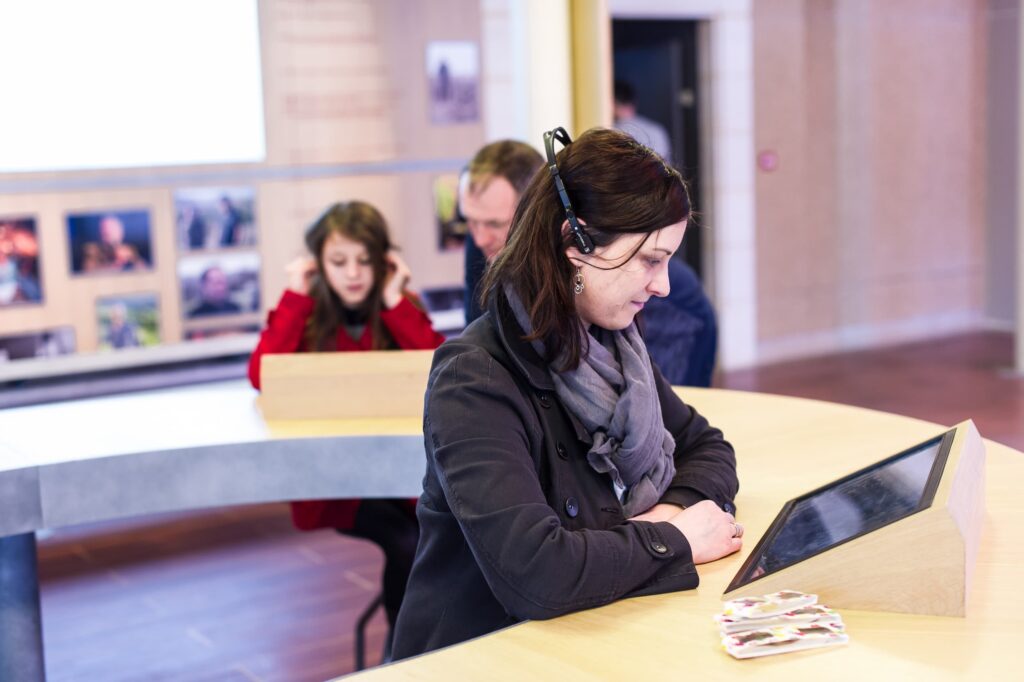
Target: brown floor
[[945, 381], [236, 594]]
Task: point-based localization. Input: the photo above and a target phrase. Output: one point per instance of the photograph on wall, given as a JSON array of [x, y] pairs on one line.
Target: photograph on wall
[[110, 242], [215, 217], [453, 80], [130, 321], [227, 284], [451, 229], [220, 332], [19, 262], [45, 344]]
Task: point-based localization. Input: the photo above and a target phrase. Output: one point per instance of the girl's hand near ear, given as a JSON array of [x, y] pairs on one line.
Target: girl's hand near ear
[[300, 273], [396, 279]]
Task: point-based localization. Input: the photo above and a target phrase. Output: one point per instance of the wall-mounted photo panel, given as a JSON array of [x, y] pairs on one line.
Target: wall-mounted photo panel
[[453, 73], [215, 217], [45, 344], [110, 241], [451, 229], [226, 284], [219, 332], [128, 321], [19, 262]]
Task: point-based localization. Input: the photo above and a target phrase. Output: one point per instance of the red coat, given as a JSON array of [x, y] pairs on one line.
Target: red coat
[[286, 325]]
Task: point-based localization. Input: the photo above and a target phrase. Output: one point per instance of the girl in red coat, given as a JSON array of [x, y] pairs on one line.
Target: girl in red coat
[[350, 296]]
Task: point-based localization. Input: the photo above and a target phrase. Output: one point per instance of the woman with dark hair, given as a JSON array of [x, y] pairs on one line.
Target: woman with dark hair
[[350, 296], [563, 472]]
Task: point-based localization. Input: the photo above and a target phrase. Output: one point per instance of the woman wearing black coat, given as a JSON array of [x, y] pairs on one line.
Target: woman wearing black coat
[[562, 471]]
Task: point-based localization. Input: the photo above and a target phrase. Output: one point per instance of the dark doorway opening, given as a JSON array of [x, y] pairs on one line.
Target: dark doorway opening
[[659, 60]]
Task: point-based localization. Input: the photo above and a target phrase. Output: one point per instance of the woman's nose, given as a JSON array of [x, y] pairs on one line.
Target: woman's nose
[[659, 285]]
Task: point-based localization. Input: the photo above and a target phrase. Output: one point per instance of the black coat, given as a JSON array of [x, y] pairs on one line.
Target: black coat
[[514, 523]]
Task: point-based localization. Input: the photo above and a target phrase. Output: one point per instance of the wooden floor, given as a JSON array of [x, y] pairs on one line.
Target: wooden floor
[[947, 381], [237, 594]]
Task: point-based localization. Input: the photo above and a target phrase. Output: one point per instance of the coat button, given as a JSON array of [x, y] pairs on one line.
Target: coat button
[[658, 547], [545, 400], [572, 507], [562, 451], [728, 508]]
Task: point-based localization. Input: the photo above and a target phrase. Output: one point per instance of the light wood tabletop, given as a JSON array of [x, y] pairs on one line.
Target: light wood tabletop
[[785, 447]]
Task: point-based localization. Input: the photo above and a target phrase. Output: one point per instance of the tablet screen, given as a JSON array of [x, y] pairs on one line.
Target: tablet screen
[[857, 504]]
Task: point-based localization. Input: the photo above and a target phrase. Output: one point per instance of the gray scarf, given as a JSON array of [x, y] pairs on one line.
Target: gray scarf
[[614, 396]]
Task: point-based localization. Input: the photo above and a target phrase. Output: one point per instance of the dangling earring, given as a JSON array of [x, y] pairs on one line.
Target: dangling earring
[[577, 282]]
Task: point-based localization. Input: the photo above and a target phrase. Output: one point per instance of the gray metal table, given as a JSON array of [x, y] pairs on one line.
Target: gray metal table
[[184, 448]]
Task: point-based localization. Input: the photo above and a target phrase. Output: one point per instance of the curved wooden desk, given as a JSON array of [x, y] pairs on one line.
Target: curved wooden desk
[[785, 446]]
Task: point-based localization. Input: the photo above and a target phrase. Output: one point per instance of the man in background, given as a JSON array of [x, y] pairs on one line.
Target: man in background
[[640, 128], [681, 329], [489, 191]]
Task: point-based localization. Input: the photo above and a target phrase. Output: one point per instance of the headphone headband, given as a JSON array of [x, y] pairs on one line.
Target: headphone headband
[[583, 241]]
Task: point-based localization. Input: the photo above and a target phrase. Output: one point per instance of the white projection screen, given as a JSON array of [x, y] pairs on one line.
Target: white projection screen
[[129, 83]]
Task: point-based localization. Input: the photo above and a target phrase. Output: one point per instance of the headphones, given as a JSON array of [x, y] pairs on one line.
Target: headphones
[[583, 241]]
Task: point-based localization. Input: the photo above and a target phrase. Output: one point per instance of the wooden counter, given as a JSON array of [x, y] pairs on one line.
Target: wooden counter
[[785, 446]]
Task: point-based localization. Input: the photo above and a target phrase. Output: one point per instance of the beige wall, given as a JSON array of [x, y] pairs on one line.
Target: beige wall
[[872, 228], [345, 92], [346, 84], [797, 211]]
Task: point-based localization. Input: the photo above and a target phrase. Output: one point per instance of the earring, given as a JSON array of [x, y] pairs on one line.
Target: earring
[[577, 286]]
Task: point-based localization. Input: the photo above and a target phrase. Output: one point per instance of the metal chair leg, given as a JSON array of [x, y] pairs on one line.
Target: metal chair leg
[[364, 618]]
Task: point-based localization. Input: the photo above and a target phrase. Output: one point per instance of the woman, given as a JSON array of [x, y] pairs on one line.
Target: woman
[[562, 471], [350, 296]]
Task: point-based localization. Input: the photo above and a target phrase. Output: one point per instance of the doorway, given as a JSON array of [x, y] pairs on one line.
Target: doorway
[[659, 60]]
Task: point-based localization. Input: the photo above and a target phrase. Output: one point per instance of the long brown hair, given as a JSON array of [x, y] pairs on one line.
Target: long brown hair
[[617, 186], [362, 223]]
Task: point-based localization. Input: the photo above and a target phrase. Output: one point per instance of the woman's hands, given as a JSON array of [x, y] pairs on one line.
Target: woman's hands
[[300, 273], [711, 532], [396, 280]]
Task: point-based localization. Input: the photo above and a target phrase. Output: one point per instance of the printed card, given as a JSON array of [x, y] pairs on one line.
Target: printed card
[[769, 605], [781, 640], [813, 614]]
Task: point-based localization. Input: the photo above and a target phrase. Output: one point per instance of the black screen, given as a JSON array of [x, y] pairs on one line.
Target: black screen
[[854, 505]]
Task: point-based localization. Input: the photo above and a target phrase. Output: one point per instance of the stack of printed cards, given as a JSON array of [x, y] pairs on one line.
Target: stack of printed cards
[[778, 623]]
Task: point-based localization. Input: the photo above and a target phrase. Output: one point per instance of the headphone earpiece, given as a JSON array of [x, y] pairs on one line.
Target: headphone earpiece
[[583, 241]]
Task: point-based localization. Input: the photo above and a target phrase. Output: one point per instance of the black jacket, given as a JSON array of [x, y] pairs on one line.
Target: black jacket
[[514, 523]]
